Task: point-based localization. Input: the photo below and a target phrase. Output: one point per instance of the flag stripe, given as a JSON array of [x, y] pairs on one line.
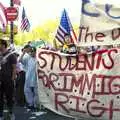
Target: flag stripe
[[62, 29], [58, 37], [17, 2], [3, 19], [25, 25], [61, 32], [61, 36], [74, 37]]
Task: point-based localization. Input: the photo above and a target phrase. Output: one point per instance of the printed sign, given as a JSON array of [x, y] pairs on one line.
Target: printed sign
[[11, 13]]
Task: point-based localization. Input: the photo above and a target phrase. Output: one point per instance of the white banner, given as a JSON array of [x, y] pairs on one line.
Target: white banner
[[100, 24], [82, 86]]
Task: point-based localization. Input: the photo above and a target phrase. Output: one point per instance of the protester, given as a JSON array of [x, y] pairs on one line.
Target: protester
[[68, 47], [20, 98], [30, 87], [92, 49], [7, 76]]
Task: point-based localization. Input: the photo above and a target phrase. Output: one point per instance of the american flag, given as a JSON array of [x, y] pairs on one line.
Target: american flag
[[17, 2], [25, 24], [64, 28], [3, 20]]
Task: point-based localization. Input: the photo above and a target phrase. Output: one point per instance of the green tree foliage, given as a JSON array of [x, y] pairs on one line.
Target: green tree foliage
[[45, 32], [6, 33]]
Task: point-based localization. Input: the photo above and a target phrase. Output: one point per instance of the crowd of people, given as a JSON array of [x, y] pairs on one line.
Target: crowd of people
[[18, 75], [18, 78]]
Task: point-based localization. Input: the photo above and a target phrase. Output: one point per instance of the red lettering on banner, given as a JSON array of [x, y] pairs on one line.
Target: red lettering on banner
[[114, 85], [63, 103], [71, 65], [82, 82], [93, 107], [71, 82], [110, 109], [110, 58], [81, 62], [47, 81], [90, 62], [42, 58], [78, 100]]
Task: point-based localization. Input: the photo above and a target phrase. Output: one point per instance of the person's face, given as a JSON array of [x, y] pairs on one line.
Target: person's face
[[1, 47], [67, 39], [33, 53], [27, 50]]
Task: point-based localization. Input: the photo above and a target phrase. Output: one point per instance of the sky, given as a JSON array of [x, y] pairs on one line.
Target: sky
[[39, 11]]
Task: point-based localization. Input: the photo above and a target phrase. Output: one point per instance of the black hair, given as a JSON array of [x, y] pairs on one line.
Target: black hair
[[27, 46], [33, 49], [3, 42]]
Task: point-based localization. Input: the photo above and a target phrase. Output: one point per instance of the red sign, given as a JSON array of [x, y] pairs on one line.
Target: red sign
[[11, 13]]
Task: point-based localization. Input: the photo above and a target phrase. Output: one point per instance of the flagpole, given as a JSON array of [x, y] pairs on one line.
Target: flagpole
[[11, 26]]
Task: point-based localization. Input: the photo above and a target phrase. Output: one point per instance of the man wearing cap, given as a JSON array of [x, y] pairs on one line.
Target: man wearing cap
[[7, 76], [31, 77]]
